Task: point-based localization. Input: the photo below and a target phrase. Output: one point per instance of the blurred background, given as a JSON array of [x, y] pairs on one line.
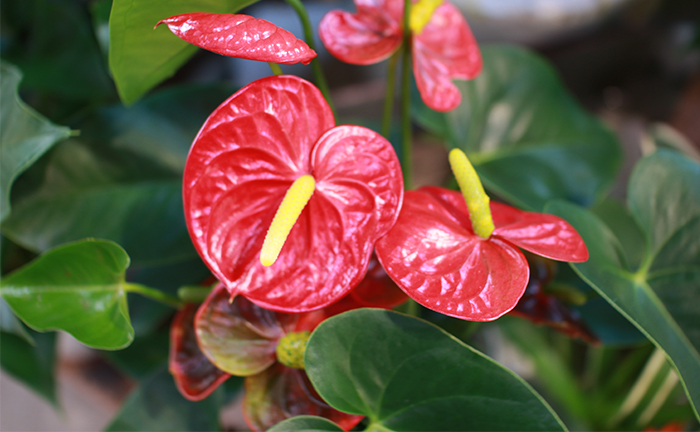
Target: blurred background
[[633, 63]]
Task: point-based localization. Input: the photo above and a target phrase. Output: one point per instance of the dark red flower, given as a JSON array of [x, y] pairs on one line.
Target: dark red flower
[[433, 254], [240, 36], [443, 49], [248, 154]]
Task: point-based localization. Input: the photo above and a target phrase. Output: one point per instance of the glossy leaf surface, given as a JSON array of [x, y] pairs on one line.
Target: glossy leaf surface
[[157, 406], [240, 36], [659, 297], [24, 134], [406, 374], [245, 158], [528, 138], [195, 376], [306, 423], [140, 57], [279, 393], [433, 254], [239, 337], [444, 50], [78, 288]]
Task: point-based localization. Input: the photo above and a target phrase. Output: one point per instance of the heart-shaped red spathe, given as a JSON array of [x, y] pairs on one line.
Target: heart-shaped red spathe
[[244, 159], [195, 376], [433, 254], [444, 50], [240, 36]]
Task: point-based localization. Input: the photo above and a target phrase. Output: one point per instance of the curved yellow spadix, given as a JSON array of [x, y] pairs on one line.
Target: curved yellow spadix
[[287, 214], [473, 192], [421, 12]]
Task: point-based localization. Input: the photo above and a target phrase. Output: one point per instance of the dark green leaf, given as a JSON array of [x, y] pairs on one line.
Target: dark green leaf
[[33, 365], [141, 57], [306, 424], [527, 137], [78, 288], [158, 406], [406, 374], [661, 296], [53, 43], [144, 356], [24, 134], [10, 324]]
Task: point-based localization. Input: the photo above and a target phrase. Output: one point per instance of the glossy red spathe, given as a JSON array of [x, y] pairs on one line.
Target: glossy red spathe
[[433, 254], [444, 50], [244, 159], [240, 36]]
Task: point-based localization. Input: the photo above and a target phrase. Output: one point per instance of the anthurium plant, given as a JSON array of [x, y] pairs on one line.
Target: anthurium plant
[[212, 241]]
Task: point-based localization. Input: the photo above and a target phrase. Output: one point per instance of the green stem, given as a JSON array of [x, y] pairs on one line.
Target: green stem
[[193, 294], [309, 37], [406, 149], [153, 294], [276, 69], [389, 101]]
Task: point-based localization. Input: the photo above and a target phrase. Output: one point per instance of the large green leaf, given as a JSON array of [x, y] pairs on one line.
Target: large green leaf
[[527, 137], [78, 288], [406, 374], [307, 424], [31, 364], [158, 406], [141, 57], [24, 134], [662, 296], [120, 181]]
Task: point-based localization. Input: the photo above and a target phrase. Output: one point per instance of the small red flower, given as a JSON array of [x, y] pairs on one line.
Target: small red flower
[[443, 49], [252, 150], [240, 36], [433, 254]]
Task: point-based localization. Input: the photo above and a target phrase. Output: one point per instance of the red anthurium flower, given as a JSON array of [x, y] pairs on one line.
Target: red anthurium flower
[[443, 254], [243, 339], [240, 36], [273, 145], [442, 43]]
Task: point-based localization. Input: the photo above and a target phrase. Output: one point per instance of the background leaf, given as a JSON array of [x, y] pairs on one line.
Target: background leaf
[[141, 57], [24, 134], [32, 364], [406, 374], [661, 296], [528, 138], [157, 406], [78, 288], [306, 423]]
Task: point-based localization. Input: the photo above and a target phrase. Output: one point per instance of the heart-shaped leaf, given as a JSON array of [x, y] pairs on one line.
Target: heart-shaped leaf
[[528, 138], [141, 57], [24, 134], [406, 374], [660, 296], [78, 288]]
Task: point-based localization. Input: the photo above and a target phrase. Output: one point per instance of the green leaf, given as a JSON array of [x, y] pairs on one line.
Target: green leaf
[[158, 406], [406, 374], [10, 324], [141, 57], [528, 138], [306, 423], [661, 297], [24, 134], [32, 364], [53, 43], [78, 288], [144, 356]]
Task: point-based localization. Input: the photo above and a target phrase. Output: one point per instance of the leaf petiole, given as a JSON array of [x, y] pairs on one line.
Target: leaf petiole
[[153, 294]]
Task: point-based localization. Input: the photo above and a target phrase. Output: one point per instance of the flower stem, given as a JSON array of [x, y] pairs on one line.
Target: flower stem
[[309, 38], [389, 101], [407, 151], [276, 69], [153, 294]]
